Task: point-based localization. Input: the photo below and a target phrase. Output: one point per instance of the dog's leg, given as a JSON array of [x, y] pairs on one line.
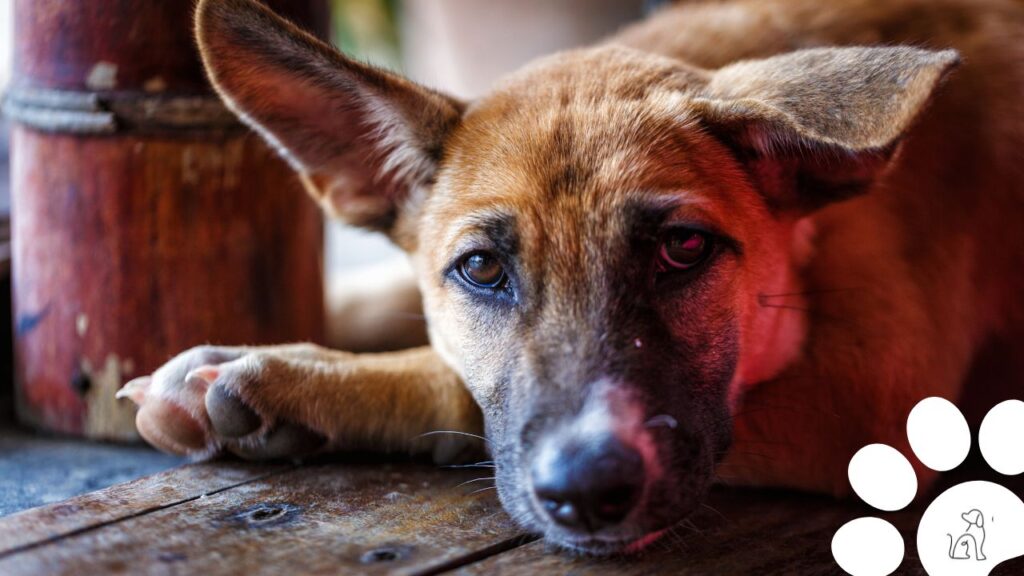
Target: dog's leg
[[282, 401]]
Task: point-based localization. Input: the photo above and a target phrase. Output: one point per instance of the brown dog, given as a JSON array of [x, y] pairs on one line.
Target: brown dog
[[717, 229]]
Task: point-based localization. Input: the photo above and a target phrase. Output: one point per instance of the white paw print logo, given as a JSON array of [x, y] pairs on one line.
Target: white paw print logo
[[970, 528]]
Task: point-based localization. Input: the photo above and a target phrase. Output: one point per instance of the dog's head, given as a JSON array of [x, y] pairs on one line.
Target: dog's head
[[974, 517], [591, 239]]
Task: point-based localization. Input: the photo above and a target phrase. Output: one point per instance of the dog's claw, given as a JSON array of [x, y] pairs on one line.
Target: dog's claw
[[289, 440], [198, 404], [170, 428], [135, 390], [202, 375], [230, 417]]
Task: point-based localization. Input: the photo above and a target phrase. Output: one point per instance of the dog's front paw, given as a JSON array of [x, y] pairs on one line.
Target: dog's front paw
[[208, 399]]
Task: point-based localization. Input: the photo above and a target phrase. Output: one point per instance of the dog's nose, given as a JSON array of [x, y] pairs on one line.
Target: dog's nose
[[589, 486]]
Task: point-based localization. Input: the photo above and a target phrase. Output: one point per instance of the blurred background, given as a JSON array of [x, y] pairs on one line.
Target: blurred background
[[459, 46]]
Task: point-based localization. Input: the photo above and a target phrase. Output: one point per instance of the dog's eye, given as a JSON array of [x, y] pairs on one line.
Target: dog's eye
[[482, 269], [684, 249]]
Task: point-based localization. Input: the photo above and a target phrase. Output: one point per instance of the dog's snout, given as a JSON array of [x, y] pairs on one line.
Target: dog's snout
[[589, 486]]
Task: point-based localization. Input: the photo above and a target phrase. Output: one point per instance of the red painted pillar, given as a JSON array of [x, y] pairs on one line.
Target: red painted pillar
[[145, 219]]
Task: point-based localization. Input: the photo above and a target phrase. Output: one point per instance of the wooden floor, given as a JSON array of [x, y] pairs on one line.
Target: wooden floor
[[36, 469], [380, 518]]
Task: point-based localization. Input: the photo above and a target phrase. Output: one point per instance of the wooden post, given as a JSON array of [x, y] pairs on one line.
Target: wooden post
[[145, 219]]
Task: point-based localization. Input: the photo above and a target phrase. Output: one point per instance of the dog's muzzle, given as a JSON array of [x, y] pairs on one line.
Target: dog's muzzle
[[588, 487], [591, 474]]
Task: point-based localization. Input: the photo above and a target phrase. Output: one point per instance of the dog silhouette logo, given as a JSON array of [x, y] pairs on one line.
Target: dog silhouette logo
[[971, 543]]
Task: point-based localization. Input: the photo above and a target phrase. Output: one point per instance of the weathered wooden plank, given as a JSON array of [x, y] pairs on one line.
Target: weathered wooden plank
[[763, 532], [767, 550], [739, 532], [104, 507], [351, 519], [373, 518]]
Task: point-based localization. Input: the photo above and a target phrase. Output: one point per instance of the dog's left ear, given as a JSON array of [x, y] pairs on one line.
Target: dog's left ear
[[819, 125], [362, 139]]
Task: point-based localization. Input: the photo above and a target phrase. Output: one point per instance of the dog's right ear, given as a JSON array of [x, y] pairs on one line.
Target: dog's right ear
[[820, 125], [362, 139]]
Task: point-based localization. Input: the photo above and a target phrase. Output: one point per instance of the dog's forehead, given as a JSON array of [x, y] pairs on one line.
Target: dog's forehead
[[562, 161], [572, 117], [574, 137]]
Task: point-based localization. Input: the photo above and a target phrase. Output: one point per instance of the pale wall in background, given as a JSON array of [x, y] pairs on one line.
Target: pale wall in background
[[463, 46]]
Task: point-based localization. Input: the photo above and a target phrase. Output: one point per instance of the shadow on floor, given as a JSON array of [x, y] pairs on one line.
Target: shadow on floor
[[37, 470]]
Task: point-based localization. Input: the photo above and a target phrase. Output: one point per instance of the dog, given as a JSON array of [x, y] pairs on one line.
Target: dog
[[970, 544], [734, 242]]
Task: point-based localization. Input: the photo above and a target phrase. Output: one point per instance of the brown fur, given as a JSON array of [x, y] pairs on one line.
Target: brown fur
[[943, 299], [872, 210]]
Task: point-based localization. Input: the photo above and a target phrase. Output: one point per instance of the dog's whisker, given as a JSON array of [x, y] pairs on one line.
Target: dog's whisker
[[475, 480], [473, 465], [482, 490], [694, 529], [783, 306], [688, 523], [661, 545], [807, 292], [458, 432], [677, 539], [715, 510], [763, 302], [484, 464], [672, 544], [667, 542]]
